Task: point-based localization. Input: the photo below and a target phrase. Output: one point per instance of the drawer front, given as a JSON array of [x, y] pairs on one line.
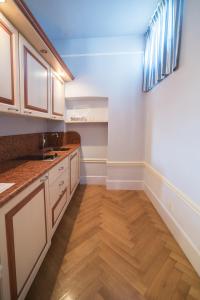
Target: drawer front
[[58, 207], [57, 188], [58, 170]]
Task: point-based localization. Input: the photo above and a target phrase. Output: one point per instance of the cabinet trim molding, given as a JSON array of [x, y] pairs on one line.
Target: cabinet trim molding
[[53, 110], [55, 205], [71, 157], [26, 103], [10, 241], [32, 20], [2, 99]]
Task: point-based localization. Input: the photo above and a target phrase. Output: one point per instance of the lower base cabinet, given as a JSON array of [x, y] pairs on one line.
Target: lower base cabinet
[[25, 238], [27, 223], [58, 193]]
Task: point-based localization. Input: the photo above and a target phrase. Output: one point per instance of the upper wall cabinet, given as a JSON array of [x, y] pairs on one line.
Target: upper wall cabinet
[[34, 81], [9, 67], [57, 97]]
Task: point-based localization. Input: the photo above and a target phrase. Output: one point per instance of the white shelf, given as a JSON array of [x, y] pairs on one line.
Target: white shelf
[[81, 110], [85, 122], [86, 98]]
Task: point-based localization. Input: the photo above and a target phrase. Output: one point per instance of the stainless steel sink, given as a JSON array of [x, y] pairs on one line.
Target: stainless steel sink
[[41, 156]]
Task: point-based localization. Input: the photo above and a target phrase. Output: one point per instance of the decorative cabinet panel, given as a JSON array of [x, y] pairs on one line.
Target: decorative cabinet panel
[[34, 81], [27, 223], [59, 198], [57, 97], [25, 239], [9, 67], [74, 161]]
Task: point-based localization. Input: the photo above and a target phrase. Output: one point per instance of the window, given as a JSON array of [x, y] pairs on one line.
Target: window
[[162, 42]]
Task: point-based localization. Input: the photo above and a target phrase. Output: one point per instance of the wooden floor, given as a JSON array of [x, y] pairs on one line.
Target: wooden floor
[[113, 245]]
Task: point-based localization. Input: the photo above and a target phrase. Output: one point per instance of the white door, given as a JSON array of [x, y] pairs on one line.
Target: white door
[[9, 67], [58, 97], [35, 81]]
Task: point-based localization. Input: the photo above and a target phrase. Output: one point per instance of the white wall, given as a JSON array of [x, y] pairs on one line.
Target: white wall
[[173, 140], [14, 124], [11, 124], [111, 67], [173, 114], [94, 142]]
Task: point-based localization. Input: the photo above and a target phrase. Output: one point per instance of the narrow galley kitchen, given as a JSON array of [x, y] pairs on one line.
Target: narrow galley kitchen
[[99, 150]]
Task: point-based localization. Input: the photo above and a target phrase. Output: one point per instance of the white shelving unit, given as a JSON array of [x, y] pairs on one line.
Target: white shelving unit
[[80, 110]]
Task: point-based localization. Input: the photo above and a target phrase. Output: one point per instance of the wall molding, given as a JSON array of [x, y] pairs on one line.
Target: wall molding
[[93, 180], [94, 160], [125, 163], [103, 54], [179, 193], [113, 163], [187, 245]]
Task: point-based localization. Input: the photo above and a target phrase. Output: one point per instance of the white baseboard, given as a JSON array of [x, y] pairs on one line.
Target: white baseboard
[[93, 171], [93, 180], [125, 175], [125, 184], [180, 215]]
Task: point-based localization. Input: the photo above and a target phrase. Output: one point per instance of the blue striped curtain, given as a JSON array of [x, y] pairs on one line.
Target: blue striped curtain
[[162, 42]]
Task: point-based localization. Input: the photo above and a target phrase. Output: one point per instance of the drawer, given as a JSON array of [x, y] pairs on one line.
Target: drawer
[[58, 207], [57, 187], [56, 171]]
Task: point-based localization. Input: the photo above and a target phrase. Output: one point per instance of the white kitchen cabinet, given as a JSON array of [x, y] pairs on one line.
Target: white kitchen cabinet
[[9, 67], [57, 97], [24, 238], [34, 81], [27, 223], [74, 163]]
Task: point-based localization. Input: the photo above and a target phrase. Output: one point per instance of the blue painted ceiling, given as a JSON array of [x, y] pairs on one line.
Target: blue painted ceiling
[[63, 19]]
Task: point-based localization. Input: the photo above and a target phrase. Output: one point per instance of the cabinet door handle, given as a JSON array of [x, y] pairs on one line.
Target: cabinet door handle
[[61, 168], [13, 109]]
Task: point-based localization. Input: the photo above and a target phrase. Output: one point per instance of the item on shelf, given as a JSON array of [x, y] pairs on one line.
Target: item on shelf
[[80, 119]]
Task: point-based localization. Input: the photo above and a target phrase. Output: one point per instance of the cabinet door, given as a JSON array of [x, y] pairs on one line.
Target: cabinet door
[[35, 81], [74, 171], [58, 97], [9, 72], [27, 237]]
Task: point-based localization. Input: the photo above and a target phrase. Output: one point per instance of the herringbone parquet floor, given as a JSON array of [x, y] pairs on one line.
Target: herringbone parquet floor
[[112, 245]]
